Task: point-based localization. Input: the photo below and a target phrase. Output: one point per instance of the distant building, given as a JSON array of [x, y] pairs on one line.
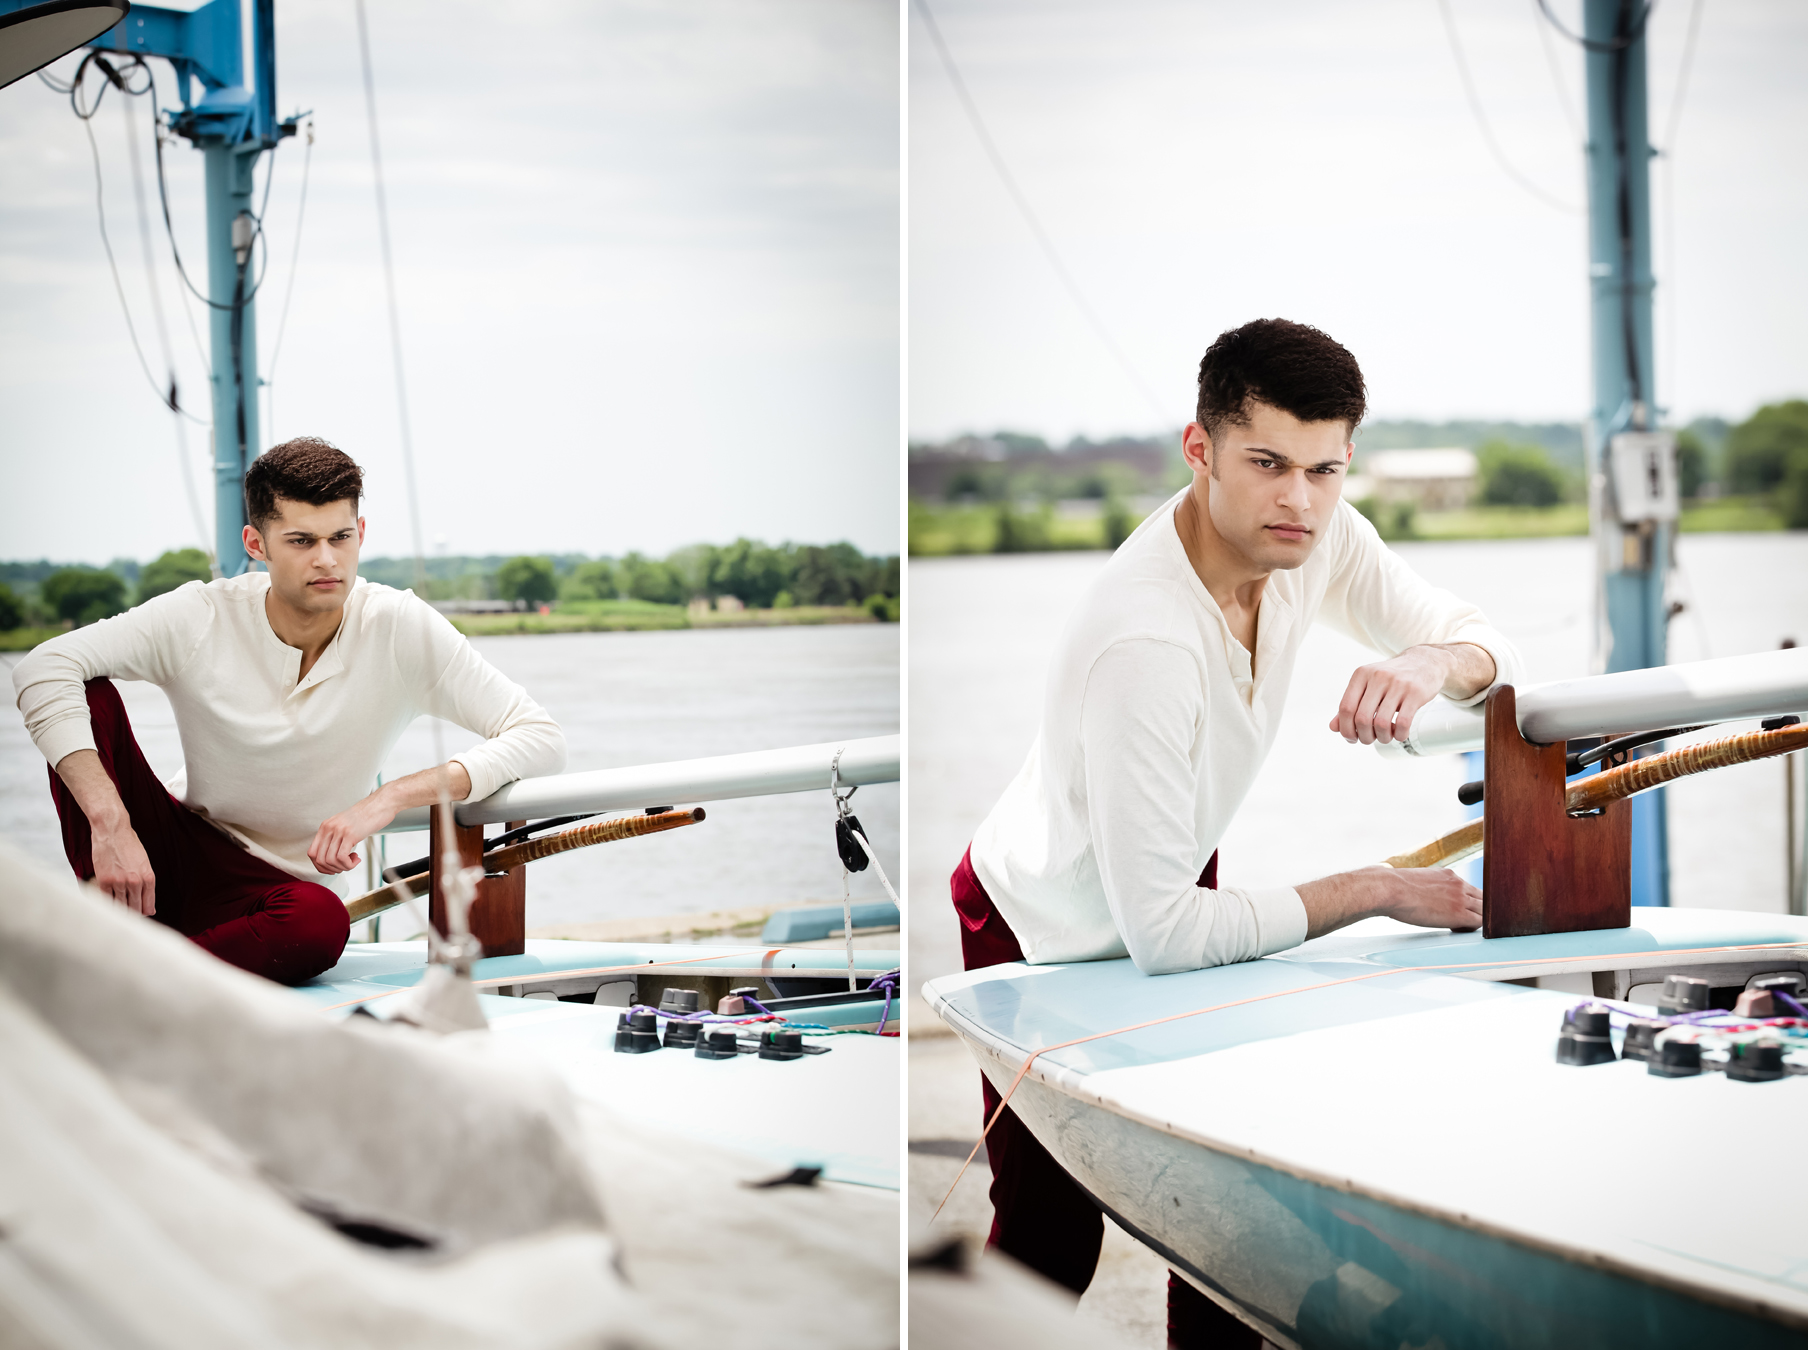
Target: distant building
[[1432, 480]]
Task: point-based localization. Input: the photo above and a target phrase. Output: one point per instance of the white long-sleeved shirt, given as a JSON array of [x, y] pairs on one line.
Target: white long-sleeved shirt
[[1155, 723], [268, 755]]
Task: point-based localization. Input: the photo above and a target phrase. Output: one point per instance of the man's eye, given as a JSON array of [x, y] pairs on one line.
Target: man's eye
[[1264, 463]]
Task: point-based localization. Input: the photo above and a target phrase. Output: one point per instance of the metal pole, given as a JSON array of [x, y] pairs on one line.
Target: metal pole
[[1632, 560], [231, 277]]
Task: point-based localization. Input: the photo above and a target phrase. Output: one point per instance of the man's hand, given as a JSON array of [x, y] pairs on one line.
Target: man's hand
[[1382, 698], [335, 841], [1431, 897], [123, 870], [121, 867]]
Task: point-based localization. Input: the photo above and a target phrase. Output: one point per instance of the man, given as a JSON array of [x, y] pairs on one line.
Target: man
[[1164, 697], [289, 686]]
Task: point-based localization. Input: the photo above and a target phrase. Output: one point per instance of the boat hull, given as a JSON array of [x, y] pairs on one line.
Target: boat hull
[[1311, 1264]]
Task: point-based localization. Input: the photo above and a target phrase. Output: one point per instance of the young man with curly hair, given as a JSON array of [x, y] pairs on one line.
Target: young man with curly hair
[[289, 686], [1164, 697]]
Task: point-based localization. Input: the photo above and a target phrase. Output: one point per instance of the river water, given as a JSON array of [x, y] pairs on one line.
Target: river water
[[982, 628], [623, 699]]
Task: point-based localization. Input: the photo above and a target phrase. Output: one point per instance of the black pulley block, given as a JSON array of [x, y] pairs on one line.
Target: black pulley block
[[853, 857]]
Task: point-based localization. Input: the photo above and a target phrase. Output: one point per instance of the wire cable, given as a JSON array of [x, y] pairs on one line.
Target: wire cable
[[282, 322], [1618, 44], [100, 208], [169, 360], [1556, 72], [1481, 119], [1667, 163], [395, 317], [1029, 215]]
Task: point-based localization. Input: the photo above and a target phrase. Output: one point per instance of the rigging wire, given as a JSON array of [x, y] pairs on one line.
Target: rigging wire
[[282, 322], [1029, 215], [1548, 47], [395, 320], [100, 207], [1481, 119], [169, 359], [1609, 48], [1667, 182], [456, 885]]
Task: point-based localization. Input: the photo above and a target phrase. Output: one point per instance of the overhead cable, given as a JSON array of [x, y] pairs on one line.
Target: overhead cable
[[1548, 47], [1029, 215], [1481, 119], [1610, 47], [86, 112], [282, 322]]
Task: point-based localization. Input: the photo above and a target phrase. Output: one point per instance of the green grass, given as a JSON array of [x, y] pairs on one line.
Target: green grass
[[1731, 515], [24, 639], [633, 616], [941, 531], [1503, 522]]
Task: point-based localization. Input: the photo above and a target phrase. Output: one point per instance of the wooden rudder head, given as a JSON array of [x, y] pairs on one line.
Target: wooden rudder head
[[1544, 870]]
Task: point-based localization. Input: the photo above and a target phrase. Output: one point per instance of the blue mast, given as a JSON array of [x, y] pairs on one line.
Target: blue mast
[[232, 124], [1632, 470]]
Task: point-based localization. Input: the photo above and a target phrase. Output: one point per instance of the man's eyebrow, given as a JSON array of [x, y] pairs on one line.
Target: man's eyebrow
[[1281, 459]]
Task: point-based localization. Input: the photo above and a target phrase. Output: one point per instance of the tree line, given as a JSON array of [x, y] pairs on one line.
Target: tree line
[[761, 576]]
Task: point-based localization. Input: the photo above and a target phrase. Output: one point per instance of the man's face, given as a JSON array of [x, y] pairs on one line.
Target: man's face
[[312, 552], [1273, 483]]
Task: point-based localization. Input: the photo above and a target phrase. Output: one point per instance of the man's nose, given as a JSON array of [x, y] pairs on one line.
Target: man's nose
[[1293, 491]]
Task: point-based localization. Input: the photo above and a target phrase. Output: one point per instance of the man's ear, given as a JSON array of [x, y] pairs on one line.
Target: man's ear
[[254, 545], [360, 531], [1196, 447]]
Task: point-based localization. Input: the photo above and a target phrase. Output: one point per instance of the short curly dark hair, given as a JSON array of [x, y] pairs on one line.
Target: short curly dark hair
[[306, 469], [1290, 366]]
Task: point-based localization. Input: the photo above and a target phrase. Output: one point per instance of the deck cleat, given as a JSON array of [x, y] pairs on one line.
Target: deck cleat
[[1641, 1038], [680, 1035], [782, 1045], [1756, 1062], [636, 1033], [716, 1045], [1675, 1059], [1584, 1038], [1683, 994]]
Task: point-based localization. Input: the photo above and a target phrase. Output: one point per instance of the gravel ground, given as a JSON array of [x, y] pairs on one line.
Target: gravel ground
[[1129, 1293]]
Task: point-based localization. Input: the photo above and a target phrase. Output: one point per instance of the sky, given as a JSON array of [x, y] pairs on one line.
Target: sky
[[648, 264], [1200, 163]]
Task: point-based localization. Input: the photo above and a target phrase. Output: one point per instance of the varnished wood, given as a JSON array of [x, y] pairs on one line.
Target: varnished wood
[[1544, 870], [498, 916]]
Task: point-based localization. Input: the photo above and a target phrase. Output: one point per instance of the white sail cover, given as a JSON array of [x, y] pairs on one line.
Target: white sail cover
[[173, 1130]]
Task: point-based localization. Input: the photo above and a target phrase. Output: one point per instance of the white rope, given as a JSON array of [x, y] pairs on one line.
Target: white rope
[[847, 899]]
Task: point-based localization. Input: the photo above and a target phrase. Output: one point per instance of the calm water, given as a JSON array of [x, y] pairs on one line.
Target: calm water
[[982, 629], [631, 698]]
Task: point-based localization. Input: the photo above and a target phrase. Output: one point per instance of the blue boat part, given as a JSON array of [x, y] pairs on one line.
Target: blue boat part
[[1403, 1158]]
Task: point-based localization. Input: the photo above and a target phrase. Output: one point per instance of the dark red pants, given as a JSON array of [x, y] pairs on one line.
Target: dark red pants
[[1040, 1215], [240, 908]]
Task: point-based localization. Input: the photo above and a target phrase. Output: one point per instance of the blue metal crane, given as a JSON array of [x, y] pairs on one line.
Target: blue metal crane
[[232, 121], [1633, 491]]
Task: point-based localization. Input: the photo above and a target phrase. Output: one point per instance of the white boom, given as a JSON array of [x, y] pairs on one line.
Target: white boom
[[759, 773], [1692, 694]]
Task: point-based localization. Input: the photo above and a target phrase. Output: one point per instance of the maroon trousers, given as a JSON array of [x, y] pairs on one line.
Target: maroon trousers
[[240, 908], [1040, 1215]]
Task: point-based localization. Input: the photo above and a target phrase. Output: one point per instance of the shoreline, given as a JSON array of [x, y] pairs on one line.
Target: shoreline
[[507, 625]]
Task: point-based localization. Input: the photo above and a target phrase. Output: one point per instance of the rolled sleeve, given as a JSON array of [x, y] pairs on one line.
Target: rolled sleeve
[[1378, 600], [521, 740]]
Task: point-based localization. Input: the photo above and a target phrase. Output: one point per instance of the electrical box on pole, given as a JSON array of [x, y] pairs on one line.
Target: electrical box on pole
[[232, 123], [1632, 466]]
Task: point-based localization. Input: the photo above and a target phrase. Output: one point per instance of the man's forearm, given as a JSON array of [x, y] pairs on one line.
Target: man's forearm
[[86, 778], [1428, 897], [424, 788], [1470, 669]]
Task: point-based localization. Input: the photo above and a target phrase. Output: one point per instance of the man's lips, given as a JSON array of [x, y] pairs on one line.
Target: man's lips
[[325, 583], [1288, 530]]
